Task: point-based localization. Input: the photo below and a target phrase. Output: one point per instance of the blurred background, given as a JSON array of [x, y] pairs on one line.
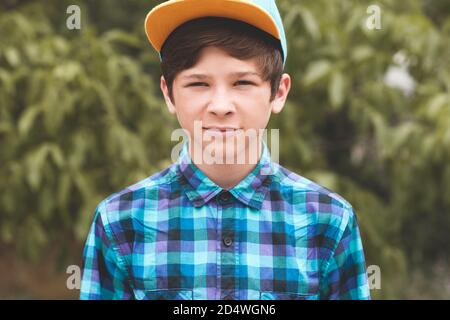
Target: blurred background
[[368, 116]]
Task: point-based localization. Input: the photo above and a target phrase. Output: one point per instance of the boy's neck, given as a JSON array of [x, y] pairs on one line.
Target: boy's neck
[[227, 176]]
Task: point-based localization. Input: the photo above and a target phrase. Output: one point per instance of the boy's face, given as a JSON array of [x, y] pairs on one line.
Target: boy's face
[[220, 95]]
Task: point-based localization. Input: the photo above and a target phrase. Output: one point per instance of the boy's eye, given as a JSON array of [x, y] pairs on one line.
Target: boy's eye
[[244, 82], [197, 84], [201, 84]]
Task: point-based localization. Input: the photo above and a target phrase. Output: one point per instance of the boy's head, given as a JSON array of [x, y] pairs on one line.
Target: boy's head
[[238, 39], [223, 73]]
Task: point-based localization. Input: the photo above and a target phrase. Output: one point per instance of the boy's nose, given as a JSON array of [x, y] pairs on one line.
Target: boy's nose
[[220, 103]]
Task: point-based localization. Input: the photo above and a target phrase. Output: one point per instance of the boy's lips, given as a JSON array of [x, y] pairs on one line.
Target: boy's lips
[[221, 130]]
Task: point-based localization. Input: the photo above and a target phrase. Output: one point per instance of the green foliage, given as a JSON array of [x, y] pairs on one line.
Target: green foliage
[[386, 152], [80, 119], [82, 116]]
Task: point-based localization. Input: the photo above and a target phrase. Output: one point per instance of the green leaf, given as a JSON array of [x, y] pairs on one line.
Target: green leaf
[[316, 71], [12, 56], [68, 71], [437, 104], [35, 162], [27, 120], [361, 53], [118, 36], [310, 23], [336, 89]]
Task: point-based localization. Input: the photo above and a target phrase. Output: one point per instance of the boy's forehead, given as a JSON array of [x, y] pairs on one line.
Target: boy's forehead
[[220, 60]]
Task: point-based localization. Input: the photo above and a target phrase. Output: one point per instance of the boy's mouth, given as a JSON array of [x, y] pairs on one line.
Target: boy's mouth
[[221, 130]]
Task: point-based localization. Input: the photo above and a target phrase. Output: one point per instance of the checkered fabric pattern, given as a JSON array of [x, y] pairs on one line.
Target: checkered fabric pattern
[[178, 235]]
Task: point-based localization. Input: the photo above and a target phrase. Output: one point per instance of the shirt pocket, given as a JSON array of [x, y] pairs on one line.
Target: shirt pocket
[[272, 295], [165, 294]]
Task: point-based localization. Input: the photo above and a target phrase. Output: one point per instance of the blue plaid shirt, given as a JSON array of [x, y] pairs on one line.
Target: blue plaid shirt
[[178, 235]]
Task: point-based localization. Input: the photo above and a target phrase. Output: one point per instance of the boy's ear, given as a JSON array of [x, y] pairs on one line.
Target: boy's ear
[[165, 92], [281, 94]]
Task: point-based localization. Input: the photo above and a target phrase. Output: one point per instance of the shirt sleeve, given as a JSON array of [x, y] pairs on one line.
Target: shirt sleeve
[[345, 275], [104, 275]]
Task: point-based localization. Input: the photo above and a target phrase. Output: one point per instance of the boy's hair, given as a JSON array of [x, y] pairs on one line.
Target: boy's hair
[[240, 40]]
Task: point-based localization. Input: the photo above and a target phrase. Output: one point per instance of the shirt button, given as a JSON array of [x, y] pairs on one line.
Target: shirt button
[[224, 197], [227, 241]]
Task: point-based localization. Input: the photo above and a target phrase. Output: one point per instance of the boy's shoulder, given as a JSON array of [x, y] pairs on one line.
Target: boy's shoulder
[[116, 206], [296, 183], [314, 197], [155, 181]]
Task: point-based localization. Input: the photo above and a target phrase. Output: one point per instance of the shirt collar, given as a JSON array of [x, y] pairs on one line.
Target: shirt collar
[[200, 189]]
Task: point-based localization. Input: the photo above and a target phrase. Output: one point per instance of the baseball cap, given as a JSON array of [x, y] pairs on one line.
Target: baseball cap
[[163, 19]]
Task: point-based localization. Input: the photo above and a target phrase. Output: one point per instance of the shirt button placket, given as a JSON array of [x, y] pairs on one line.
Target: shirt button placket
[[228, 252]]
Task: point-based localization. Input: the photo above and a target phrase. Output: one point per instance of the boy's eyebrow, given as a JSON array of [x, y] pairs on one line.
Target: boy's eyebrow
[[237, 74]]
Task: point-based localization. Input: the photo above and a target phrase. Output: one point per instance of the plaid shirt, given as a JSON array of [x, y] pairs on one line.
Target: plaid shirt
[[178, 235]]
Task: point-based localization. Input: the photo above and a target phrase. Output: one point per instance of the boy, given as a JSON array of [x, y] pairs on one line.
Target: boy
[[219, 229]]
